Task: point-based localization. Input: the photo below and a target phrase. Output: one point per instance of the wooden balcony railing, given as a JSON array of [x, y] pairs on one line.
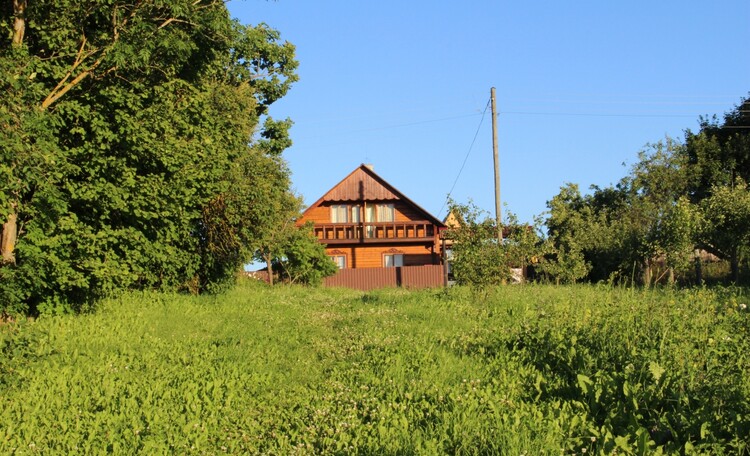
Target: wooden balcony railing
[[375, 232]]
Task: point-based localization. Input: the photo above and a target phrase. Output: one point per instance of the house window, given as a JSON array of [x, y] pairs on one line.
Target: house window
[[386, 213], [369, 218], [355, 214], [391, 260], [339, 213], [340, 260]]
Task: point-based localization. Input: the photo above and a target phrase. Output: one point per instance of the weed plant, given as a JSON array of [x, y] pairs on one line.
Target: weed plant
[[290, 370]]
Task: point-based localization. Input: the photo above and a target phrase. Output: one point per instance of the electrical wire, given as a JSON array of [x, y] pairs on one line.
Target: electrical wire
[[584, 114], [465, 158], [418, 122]]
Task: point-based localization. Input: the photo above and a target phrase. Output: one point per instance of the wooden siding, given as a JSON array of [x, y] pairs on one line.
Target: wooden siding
[[413, 233], [363, 185], [371, 256], [406, 226], [360, 186], [322, 213], [346, 233], [405, 212], [319, 214], [429, 276]]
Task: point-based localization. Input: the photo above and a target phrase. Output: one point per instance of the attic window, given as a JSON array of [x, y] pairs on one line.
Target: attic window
[[386, 213], [339, 213]]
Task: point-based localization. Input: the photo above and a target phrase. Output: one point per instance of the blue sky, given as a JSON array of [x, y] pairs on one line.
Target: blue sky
[[581, 86]]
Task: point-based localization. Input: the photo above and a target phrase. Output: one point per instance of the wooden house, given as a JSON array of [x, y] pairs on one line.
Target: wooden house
[[366, 223]]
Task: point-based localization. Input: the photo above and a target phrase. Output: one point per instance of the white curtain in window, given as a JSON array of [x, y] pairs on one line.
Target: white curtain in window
[[355, 214], [340, 261], [386, 213], [369, 218], [339, 213]]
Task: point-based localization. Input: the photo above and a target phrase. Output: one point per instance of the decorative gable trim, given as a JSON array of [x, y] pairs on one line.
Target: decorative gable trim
[[363, 184], [360, 186]]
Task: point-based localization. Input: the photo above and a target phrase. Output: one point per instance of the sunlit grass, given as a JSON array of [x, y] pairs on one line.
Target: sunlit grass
[[284, 370]]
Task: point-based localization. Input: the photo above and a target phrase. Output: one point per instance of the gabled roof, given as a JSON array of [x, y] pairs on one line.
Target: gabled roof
[[363, 184], [452, 220]]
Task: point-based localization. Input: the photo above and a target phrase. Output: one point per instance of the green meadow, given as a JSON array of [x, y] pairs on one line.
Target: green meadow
[[281, 370]]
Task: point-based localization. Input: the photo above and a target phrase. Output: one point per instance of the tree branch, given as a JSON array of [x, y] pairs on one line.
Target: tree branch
[[172, 19], [62, 87]]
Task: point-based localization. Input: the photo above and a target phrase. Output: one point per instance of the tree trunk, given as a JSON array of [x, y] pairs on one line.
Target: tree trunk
[[10, 233], [10, 226], [19, 22], [698, 270], [734, 261], [646, 273], [270, 270]]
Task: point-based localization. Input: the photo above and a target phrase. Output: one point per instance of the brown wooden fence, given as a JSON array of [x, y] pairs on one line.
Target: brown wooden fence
[[429, 276]]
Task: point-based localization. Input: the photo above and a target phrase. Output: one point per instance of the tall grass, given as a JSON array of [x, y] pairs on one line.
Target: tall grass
[[509, 370]]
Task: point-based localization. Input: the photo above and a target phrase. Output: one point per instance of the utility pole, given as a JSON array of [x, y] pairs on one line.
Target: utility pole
[[498, 211]]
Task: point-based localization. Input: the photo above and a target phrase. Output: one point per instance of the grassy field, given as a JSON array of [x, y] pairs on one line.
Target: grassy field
[[513, 370]]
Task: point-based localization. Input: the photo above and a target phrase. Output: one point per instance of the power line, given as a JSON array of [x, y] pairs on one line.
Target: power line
[[584, 114], [465, 158], [514, 113], [418, 122]]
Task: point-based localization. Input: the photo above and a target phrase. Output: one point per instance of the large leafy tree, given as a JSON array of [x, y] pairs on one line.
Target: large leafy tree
[[676, 197], [587, 235], [719, 152], [134, 147], [626, 230], [718, 168], [659, 223], [726, 228], [568, 225]]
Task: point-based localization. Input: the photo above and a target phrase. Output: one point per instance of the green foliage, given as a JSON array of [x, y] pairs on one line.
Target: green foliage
[[568, 227], [719, 153], [718, 161], [304, 258], [643, 225], [292, 252], [294, 370], [563, 266], [676, 237], [726, 230], [478, 258], [677, 198], [135, 148]]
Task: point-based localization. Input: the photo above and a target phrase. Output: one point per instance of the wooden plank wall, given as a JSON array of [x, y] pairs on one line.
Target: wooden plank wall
[[322, 213], [371, 256], [429, 276]]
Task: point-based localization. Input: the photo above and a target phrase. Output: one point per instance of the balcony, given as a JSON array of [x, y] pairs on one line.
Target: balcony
[[374, 232]]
